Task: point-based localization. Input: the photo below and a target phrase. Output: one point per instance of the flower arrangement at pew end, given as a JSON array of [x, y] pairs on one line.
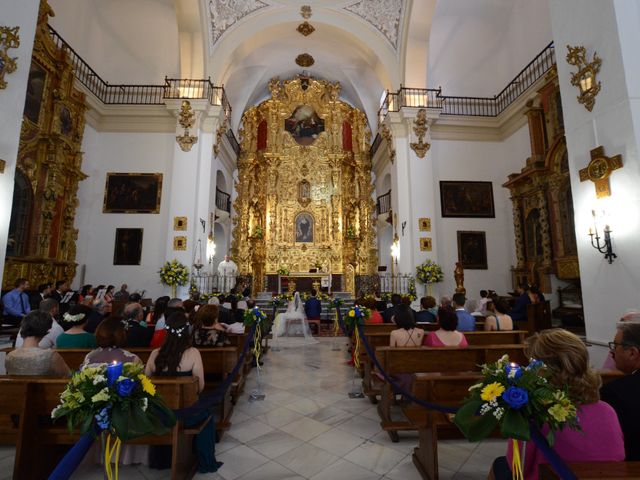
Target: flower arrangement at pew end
[[512, 397], [356, 316], [174, 273], [429, 272], [117, 398], [254, 316]]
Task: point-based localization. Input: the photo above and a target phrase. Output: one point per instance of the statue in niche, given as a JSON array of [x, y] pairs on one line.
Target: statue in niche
[[304, 193], [304, 228]]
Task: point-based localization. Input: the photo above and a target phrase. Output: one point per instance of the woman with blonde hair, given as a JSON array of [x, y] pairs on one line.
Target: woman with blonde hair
[[600, 436]]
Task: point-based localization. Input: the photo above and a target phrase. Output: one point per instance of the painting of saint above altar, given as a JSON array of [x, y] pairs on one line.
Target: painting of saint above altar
[[304, 125], [304, 228]]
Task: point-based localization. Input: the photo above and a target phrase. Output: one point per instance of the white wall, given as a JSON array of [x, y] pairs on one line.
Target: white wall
[[476, 47], [611, 29], [122, 152], [24, 15], [477, 161], [123, 41]]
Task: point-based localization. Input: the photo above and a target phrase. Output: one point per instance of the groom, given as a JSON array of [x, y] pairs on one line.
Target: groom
[[313, 307]]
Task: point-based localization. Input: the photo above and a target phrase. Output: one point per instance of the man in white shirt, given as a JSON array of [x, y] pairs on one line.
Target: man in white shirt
[[50, 306], [481, 309], [228, 270]]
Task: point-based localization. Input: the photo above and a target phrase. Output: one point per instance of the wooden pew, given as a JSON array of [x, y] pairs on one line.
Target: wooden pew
[[428, 327], [426, 359], [380, 339], [217, 361], [594, 470], [449, 390], [41, 444]]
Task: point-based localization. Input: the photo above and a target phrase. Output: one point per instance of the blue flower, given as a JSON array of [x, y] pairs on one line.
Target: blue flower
[[358, 313], [533, 363], [102, 418], [515, 397], [125, 387]]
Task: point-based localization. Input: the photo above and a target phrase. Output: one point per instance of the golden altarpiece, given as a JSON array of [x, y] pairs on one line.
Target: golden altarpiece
[[304, 187], [42, 238], [541, 195]]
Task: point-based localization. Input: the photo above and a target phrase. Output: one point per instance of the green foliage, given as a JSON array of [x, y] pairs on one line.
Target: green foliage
[[174, 273], [429, 272]]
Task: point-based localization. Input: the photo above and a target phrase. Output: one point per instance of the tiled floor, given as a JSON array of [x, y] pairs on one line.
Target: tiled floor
[[308, 428]]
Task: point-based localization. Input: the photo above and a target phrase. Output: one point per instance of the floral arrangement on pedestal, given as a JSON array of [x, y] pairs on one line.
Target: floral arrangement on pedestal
[[173, 274], [512, 397], [117, 399], [429, 273], [356, 316], [283, 270]]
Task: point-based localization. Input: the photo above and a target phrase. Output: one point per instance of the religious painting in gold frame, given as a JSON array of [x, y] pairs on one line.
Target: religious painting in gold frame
[[133, 193], [180, 243], [426, 244], [304, 228], [179, 223], [424, 224], [304, 125]]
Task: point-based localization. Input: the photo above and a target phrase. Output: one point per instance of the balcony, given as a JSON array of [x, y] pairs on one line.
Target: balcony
[[223, 201], [383, 204]]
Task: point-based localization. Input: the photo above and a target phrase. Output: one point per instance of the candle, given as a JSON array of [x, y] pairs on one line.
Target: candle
[[113, 372]]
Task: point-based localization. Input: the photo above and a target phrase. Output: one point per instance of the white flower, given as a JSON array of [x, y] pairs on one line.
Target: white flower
[[145, 404], [99, 379], [498, 412], [485, 408], [53, 412]]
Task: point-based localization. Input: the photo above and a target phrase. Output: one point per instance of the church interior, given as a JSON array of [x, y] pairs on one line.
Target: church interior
[[191, 148]]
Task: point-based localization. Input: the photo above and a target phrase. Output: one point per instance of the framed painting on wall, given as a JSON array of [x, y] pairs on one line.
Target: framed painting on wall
[[179, 223], [472, 250], [133, 193], [467, 199], [425, 244], [180, 243], [128, 247], [424, 224]]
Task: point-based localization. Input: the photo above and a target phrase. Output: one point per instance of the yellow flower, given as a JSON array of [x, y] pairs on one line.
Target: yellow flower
[[559, 412], [491, 391], [147, 385], [352, 313], [101, 396]]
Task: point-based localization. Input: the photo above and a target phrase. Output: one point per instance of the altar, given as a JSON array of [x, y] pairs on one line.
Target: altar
[[304, 282]]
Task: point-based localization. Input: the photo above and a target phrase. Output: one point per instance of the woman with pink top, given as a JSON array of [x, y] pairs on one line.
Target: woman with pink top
[[600, 438], [446, 335]]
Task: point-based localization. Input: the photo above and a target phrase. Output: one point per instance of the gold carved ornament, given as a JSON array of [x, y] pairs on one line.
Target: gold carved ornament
[[305, 29], [420, 127], [599, 170], [222, 129], [305, 60], [585, 77], [186, 119], [386, 134], [9, 38]]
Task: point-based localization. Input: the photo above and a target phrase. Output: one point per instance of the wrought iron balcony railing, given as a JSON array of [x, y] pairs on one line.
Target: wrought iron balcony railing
[[383, 204], [223, 201]]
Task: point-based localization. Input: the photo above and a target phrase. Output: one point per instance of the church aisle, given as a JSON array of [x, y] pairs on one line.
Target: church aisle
[[308, 428]]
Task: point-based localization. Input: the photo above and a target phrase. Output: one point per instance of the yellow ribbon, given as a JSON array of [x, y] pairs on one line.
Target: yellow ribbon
[[516, 462], [257, 344], [356, 352], [112, 452], [336, 324]]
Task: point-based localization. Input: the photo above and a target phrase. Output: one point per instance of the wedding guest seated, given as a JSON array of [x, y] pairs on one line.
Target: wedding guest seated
[[237, 313], [466, 321], [44, 291], [375, 316], [157, 319], [481, 308], [207, 332], [631, 316], [138, 335], [496, 316], [30, 359], [189, 306], [407, 335], [519, 311], [177, 357], [85, 291], [224, 314], [51, 308], [135, 297], [447, 335], [623, 394], [387, 315], [428, 310], [111, 336], [108, 296], [122, 294], [97, 314], [600, 436], [445, 302], [16, 303], [76, 336]]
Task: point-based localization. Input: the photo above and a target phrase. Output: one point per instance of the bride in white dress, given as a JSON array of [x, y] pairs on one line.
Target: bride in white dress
[[291, 328]]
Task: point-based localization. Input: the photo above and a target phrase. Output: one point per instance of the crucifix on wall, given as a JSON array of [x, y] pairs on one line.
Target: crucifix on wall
[[599, 170]]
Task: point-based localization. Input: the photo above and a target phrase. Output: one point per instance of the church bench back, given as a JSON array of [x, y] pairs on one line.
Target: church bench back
[[473, 338], [594, 470], [427, 327], [51, 440], [446, 359]]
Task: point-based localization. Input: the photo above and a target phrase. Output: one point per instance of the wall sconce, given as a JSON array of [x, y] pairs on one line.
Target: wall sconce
[[395, 249], [585, 77], [605, 247], [211, 241]]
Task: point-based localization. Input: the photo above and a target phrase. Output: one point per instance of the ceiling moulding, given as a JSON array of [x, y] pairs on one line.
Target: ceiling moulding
[[225, 13], [384, 15]]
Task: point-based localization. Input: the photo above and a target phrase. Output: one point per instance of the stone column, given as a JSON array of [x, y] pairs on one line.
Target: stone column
[[23, 14]]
